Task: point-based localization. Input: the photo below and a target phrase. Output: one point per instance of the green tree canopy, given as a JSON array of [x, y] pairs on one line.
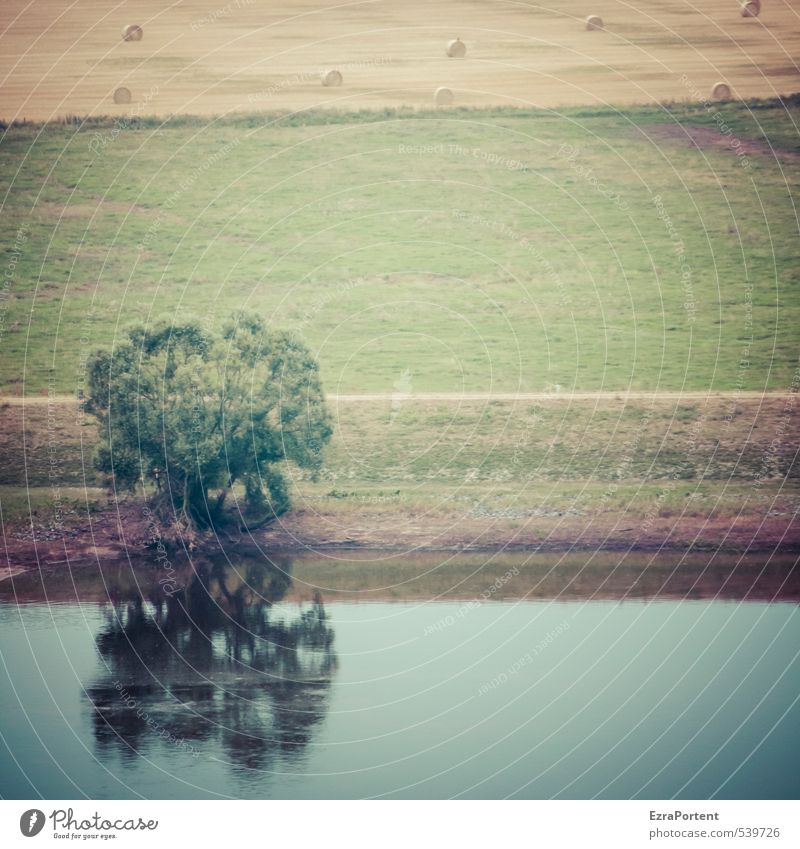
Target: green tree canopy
[[196, 413]]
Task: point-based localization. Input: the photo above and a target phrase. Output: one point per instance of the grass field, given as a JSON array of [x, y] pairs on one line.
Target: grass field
[[505, 464], [488, 250], [534, 238], [499, 444]]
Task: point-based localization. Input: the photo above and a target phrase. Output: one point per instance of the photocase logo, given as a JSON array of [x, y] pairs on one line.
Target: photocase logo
[[31, 822], [402, 391]]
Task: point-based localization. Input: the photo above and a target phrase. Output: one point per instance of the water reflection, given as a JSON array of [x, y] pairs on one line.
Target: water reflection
[[214, 663], [375, 577], [677, 677]]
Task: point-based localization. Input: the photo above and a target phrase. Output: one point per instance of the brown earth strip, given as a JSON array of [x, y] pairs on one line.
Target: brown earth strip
[[115, 534], [705, 138]]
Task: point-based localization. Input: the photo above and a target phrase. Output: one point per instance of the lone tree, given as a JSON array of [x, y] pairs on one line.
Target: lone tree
[[194, 414]]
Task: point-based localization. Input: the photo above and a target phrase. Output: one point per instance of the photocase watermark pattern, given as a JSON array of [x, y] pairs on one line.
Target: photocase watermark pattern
[[306, 77], [155, 726], [10, 273], [680, 252], [476, 153], [719, 118], [194, 175], [501, 228], [653, 512], [168, 581], [219, 13], [525, 660], [313, 310], [99, 141], [467, 608], [401, 391], [767, 465], [571, 154], [54, 472], [402, 385]]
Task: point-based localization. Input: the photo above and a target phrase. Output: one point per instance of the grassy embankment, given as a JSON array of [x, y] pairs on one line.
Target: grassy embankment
[[435, 252]]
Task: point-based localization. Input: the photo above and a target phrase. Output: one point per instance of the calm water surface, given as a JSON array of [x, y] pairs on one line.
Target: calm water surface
[[520, 678]]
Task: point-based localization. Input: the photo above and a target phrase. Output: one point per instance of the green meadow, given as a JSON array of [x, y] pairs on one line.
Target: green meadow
[[446, 252], [449, 251]]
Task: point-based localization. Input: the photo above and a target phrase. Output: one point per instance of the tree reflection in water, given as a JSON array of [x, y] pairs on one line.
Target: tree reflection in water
[[213, 666]]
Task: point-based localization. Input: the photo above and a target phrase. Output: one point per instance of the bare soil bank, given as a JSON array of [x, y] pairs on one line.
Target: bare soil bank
[[127, 531]]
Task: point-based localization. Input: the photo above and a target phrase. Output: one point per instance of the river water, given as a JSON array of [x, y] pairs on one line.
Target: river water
[[387, 676]]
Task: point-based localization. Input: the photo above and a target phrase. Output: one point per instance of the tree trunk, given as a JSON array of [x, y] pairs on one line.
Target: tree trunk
[[195, 504], [219, 504]]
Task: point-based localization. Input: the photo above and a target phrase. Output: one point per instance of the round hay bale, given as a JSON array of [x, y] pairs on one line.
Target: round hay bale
[[751, 8], [456, 49], [443, 96], [132, 32], [122, 95], [331, 78], [721, 91], [594, 22]]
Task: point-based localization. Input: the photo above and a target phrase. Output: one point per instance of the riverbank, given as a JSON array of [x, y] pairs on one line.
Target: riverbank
[[356, 576], [314, 531], [125, 529], [713, 473]]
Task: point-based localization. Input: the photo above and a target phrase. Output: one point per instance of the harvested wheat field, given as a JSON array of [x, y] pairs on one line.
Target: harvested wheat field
[[205, 57]]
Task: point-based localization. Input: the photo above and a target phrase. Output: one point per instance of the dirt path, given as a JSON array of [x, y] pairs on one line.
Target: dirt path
[[457, 397], [552, 396]]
